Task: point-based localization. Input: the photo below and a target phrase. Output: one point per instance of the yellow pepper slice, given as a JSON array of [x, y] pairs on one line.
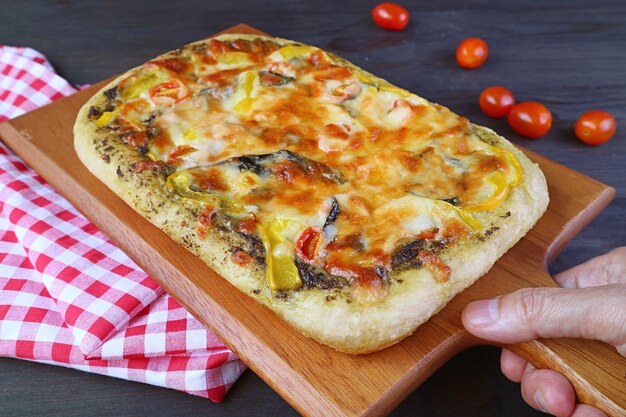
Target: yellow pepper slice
[[281, 271], [382, 85], [501, 181], [246, 87], [106, 118], [395, 90], [366, 79], [518, 176], [466, 217], [142, 82], [500, 191], [514, 178], [190, 134], [180, 183], [233, 58], [244, 105], [292, 51]]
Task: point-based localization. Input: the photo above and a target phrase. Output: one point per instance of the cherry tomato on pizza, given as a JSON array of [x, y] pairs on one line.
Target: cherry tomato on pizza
[[472, 53], [307, 244], [390, 16], [595, 127], [530, 119], [496, 101], [169, 93]]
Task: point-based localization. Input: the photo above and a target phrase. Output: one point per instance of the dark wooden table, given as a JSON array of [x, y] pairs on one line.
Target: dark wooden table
[[570, 55]]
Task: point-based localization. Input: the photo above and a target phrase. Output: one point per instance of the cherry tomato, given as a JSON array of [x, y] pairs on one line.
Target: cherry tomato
[[595, 127], [390, 16], [530, 119], [307, 244], [496, 101], [472, 53], [169, 93]]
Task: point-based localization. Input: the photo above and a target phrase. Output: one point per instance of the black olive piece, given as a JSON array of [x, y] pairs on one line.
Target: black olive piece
[[333, 213], [406, 253], [284, 79], [94, 113], [454, 201], [313, 277], [246, 163], [111, 93], [311, 165]]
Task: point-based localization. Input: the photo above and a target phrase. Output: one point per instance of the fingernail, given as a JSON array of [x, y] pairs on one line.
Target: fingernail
[[541, 401], [482, 313]]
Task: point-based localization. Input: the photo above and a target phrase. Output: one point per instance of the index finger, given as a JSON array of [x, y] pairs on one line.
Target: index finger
[[609, 268]]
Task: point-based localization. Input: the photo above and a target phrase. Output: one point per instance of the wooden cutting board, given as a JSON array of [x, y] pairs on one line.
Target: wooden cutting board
[[315, 379]]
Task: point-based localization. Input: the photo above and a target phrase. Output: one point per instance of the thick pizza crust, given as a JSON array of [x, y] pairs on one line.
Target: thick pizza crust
[[336, 320]]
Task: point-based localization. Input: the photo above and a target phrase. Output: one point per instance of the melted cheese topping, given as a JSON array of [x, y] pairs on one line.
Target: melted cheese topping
[[286, 133]]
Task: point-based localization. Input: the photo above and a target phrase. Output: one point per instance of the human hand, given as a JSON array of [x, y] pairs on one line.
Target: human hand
[[591, 305]]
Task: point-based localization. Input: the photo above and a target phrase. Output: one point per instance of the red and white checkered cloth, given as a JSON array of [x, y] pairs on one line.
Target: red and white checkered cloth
[[68, 296]]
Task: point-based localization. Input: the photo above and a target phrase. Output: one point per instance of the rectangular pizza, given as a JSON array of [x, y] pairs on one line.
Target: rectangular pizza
[[352, 208]]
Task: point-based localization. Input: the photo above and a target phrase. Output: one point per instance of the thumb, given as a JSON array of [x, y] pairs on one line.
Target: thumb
[[590, 313]]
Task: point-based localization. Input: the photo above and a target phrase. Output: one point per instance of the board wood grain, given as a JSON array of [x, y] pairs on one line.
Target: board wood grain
[[315, 379]]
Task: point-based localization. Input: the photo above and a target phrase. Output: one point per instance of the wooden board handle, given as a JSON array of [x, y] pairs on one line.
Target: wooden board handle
[[595, 369]]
